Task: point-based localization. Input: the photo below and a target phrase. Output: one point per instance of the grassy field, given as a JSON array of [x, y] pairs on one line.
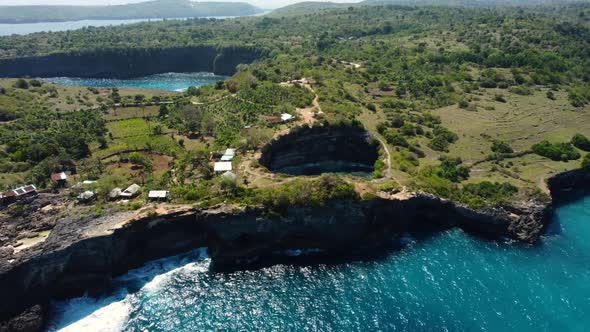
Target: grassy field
[[123, 113], [521, 121]]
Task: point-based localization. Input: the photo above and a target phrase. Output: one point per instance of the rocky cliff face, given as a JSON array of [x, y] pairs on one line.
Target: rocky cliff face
[[116, 63], [83, 256], [312, 151], [562, 184]]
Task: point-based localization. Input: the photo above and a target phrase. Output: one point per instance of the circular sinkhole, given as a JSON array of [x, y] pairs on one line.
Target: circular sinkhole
[[322, 149]]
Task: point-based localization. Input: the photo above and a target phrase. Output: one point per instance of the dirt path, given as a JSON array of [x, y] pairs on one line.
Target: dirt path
[[388, 160], [388, 172], [543, 186]]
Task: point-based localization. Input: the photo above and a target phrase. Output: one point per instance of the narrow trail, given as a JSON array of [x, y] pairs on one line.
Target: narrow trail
[[543, 186], [388, 160]]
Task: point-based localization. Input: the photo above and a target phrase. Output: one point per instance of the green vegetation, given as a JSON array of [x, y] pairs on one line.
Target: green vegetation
[[479, 194], [556, 151], [440, 86], [581, 142], [147, 9], [501, 147], [451, 169]]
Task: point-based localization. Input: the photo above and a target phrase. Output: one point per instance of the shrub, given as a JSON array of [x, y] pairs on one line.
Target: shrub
[[439, 143], [579, 97], [394, 138], [491, 190], [556, 151], [453, 170], [581, 142], [551, 95], [36, 83], [500, 98], [463, 103], [397, 121], [21, 84], [520, 90], [193, 91], [501, 147], [442, 139], [480, 194], [488, 83], [408, 129]]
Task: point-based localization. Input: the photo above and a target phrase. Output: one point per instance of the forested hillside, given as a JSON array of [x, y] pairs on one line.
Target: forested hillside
[[148, 9], [472, 104]]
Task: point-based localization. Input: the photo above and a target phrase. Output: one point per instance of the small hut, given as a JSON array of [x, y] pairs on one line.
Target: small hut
[[130, 192], [158, 196]]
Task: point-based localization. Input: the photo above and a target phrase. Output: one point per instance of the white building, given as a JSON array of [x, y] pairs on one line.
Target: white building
[[222, 167]]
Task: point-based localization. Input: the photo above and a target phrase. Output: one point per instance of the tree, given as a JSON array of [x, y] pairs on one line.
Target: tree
[[139, 98], [115, 96], [232, 86], [35, 83], [453, 170], [193, 91], [136, 158], [581, 142], [501, 147], [21, 84], [163, 111], [157, 130], [556, 151]]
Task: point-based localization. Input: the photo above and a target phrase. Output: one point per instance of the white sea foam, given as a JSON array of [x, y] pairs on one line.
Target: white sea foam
[[108, 317], [112, 313], [299, 252]]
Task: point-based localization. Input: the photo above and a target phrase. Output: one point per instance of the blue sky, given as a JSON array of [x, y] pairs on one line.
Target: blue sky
[[259, 3]]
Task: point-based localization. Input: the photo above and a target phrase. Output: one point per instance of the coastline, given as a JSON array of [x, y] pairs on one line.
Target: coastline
[[83, 256]]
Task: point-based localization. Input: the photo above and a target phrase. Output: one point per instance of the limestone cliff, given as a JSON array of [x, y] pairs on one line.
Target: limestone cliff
[[126, 63], [83, 255]]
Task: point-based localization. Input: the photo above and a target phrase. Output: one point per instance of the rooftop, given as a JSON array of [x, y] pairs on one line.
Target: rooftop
[[223, 166]]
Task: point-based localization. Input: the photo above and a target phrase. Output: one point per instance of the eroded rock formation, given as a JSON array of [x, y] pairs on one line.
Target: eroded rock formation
[[321, 149], [83, 255]]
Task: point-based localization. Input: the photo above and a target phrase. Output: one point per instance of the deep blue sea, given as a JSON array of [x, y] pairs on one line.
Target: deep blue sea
[[449, 282], [168, 81]]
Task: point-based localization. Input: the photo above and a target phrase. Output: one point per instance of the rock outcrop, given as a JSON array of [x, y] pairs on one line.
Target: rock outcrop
[[83, 255], [126, 63]]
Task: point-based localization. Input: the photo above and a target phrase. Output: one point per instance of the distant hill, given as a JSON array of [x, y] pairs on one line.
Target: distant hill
[[467, 3], [309, 6], [149, 9]]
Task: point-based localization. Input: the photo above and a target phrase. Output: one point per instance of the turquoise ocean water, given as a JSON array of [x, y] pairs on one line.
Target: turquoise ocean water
[[167, 81], [448, 282]]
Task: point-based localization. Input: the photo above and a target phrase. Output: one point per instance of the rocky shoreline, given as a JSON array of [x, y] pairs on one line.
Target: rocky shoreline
[[83, 255]]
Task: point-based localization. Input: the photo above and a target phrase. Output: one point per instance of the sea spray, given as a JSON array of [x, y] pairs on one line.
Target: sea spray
[[111, 312]]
